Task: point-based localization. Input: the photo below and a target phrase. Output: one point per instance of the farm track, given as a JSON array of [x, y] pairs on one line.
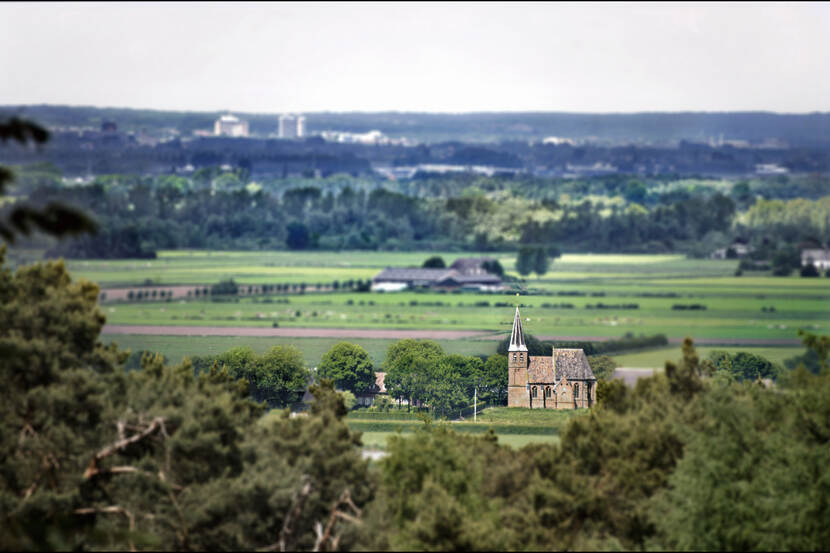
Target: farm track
[[396, 334]]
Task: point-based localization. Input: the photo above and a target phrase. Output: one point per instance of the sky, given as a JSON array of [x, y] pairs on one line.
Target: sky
[[279, 57]]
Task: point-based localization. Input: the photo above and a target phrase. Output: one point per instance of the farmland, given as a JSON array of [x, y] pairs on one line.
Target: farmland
[[588, 296]]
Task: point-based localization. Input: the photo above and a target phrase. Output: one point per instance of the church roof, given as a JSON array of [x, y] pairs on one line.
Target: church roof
[[570, 363], [517, 337]]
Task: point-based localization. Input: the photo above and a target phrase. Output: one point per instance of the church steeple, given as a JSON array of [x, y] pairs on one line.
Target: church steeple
[[517, 337]]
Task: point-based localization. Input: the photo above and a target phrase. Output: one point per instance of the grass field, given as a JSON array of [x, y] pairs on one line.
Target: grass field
[[736, 316], [657, 358], [377, 440], [514, 427], [177, 347], [742, 308]]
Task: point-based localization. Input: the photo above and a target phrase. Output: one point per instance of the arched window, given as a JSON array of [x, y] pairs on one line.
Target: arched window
[[533, 392], [547, 391], [514, 357], [576, 391]]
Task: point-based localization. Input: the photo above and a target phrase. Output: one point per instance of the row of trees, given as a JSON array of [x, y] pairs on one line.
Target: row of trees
[[420, 373], [417, 372]]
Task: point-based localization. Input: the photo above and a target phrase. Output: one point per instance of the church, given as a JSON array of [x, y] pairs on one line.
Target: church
[[563, 380]]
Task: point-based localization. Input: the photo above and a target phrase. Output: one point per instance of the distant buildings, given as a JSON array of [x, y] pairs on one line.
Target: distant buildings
[[230, 125], [291, 126], [738, 249], [372, 138], [819, 258], [770, 169]]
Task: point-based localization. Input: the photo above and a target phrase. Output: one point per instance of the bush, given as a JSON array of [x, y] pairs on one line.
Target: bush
[[434, 262], [225, 288], [809, 270]]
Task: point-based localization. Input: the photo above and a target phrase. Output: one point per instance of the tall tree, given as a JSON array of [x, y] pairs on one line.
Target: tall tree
[[541, 262], [349, 367], [525, 260]]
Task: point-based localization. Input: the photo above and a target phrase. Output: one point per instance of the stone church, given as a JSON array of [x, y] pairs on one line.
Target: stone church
[[562, 381]]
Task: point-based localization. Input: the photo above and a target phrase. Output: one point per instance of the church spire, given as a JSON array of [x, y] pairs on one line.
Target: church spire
[[517, 337]]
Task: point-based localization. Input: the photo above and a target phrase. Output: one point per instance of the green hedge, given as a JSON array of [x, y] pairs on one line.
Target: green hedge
[[363, 414]]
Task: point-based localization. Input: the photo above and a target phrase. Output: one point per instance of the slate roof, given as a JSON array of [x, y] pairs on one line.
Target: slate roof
[[570, 363], [391, 274]]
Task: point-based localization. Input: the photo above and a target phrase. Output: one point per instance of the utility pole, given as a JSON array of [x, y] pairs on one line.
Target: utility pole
[[475, 404]]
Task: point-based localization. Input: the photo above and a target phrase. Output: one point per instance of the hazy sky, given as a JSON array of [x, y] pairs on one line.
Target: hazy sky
[[413, 57]]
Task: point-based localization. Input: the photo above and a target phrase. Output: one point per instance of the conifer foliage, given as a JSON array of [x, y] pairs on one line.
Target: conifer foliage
[[98, 457]]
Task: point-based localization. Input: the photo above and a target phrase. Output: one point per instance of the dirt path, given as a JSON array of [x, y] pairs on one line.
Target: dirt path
[[296, 332]]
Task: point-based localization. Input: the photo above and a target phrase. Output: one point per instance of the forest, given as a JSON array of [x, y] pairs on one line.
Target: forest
[[222, 209]]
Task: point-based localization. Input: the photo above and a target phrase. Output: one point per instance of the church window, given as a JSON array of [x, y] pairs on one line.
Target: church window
[[547, 391], [534, 392], [576, 391], [514, 357]]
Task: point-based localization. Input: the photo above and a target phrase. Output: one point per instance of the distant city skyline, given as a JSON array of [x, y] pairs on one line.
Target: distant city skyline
[[449, 58]]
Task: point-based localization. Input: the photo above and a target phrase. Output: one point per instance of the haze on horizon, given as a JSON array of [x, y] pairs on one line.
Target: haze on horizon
[[279, 57]]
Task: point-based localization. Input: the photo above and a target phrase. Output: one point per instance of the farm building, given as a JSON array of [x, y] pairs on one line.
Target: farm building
[[819, 258], [397, 279], [563, 380]]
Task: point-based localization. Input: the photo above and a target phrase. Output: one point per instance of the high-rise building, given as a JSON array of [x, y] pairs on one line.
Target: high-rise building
[[229, 125], [291, 126]]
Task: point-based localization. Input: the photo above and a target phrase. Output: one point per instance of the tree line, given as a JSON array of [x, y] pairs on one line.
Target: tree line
[[139, 216]]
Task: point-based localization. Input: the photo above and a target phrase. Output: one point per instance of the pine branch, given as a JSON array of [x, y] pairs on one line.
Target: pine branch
[[93, 470]]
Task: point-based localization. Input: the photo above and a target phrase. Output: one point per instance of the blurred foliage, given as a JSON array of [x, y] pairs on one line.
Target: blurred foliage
[[54, 218]]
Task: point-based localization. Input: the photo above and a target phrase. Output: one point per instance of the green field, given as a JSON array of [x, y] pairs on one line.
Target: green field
[[271, 267], [514, 427], [377, 440], [657, 358], [736, 316], [743, 308], [177, 347]]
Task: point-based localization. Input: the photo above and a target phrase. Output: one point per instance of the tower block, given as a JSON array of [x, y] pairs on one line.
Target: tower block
[[517, 364]]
